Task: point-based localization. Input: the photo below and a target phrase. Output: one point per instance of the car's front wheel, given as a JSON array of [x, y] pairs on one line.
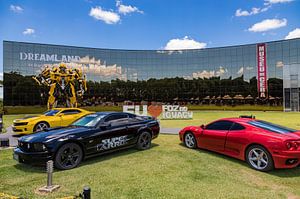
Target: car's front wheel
[[144, 141], [259, 158], [190, 140], [40, 126], [68, 156]]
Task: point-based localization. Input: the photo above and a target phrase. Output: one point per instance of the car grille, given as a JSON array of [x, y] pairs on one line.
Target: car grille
[[17, 130], [26, 146]]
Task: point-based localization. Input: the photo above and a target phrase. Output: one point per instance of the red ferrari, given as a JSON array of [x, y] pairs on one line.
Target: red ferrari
[[263, 145]]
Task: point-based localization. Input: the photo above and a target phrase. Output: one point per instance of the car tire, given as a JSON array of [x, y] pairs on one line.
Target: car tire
[[190, 140], [68, 156], [144, 141], [40, 126], [259, 158]]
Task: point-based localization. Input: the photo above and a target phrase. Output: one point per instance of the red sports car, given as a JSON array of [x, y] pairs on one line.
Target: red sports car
[[263, 145]]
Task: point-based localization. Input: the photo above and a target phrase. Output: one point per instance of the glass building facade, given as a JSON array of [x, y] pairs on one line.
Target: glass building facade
[[153, 75], [291, 85]]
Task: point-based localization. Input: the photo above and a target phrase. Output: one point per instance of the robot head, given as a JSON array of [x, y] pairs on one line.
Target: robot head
[[62, 67]]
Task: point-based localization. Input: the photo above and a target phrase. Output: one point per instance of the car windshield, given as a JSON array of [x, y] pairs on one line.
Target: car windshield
[[50, 112], [89, 120], [271, 127]]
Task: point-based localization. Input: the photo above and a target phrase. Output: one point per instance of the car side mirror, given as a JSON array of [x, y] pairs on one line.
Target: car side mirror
[[60, 114], [202, 126]]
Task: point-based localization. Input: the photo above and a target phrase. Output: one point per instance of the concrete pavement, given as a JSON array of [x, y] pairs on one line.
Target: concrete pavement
[[13, 141]]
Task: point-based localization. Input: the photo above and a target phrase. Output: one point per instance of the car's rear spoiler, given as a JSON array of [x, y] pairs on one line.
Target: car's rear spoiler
[[247, 116]]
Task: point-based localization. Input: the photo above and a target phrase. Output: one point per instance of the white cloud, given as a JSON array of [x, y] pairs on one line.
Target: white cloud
[[268, 24], [108, 17], [28, 31], [254, 11], [207, 74], [293, 34], [16, 9], [124, 9], [91, 66], [279, 64], [184, 43], [269, 2], [240, 71]]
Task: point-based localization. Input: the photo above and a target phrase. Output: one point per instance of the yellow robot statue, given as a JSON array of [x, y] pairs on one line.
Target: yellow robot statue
[[61, 81]]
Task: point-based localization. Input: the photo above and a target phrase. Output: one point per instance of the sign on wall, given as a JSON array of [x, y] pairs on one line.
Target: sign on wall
[[262, 85], [48, 57], [167, 111]]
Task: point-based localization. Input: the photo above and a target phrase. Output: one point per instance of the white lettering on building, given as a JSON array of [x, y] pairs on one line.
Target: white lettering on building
[[262, 79], [48, 57]]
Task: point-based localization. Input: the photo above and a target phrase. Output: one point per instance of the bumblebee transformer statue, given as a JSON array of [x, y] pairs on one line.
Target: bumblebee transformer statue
[[62, 82]]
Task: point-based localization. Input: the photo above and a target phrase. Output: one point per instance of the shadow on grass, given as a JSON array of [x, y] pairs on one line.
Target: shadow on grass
[[115, 154], [284, 173], [31, 168]]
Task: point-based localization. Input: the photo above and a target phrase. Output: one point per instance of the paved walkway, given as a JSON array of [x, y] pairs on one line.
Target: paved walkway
[[173, 131], [13, 141]]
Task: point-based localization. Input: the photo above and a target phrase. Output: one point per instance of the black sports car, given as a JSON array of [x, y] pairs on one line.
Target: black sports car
[[91, 135]]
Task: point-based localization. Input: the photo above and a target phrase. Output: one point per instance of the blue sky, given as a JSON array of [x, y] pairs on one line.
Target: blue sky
[[148, 24]]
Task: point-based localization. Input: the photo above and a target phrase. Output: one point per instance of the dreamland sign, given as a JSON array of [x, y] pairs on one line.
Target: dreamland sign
[[167, 111], [48, 57]]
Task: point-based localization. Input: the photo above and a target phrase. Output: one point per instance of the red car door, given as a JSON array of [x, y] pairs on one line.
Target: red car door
[[236, 140], [214, 135]]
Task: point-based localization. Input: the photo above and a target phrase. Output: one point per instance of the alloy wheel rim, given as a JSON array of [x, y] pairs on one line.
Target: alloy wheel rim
[[189, 140], [69, 157], [145, 140], [41, 126], [258, 158]]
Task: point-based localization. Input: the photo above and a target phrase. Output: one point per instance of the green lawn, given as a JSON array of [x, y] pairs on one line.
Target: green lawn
[[167, 170]]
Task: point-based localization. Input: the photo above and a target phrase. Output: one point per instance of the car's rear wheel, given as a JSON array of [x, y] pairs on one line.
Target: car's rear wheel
[[259, 158], [68, 156], [144, 141], [40, 126], [190, 140]]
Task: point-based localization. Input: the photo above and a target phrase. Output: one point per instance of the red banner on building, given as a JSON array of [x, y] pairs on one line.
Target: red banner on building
[[262, 85]]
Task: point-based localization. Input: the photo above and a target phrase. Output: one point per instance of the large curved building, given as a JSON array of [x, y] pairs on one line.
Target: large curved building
[[254, 72]]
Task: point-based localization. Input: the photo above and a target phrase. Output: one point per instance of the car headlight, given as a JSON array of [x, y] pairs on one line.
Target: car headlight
[[20, 123], [39, 147]]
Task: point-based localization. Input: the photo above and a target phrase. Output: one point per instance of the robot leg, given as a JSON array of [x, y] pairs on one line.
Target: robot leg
[[72, 97], [52, 100]]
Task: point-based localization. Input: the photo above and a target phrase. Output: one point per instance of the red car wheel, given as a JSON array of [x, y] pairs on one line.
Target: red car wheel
[[190, 140], [259, 158]]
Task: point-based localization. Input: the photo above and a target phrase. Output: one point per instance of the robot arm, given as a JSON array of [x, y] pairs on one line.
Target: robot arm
[[81, 80], [83, 86], [43, 78]]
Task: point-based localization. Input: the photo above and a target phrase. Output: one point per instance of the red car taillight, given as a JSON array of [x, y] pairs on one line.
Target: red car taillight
[[292, 145]]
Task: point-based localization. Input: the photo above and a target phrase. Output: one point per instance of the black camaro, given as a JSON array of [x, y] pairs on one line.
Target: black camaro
[[91, 135]]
